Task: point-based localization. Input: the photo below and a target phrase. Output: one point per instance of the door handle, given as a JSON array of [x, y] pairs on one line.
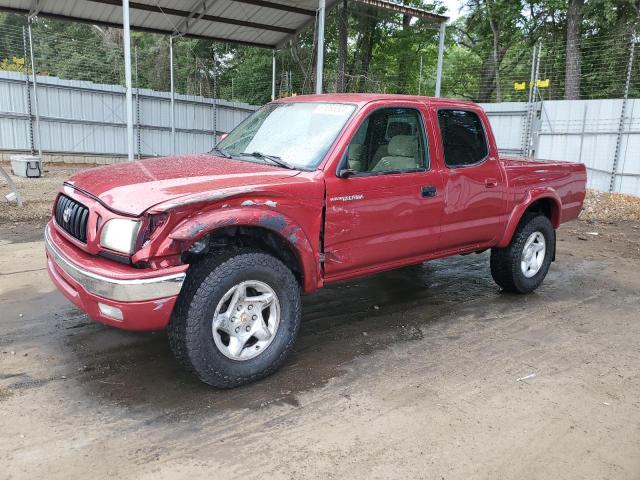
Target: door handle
[[429, 191], [491, 182]]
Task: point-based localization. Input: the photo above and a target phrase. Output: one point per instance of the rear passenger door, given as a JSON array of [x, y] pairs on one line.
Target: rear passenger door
[[474, 192], [388, 209]]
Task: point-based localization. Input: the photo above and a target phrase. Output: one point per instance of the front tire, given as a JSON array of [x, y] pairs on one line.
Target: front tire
[[237, 318], [522, 266]]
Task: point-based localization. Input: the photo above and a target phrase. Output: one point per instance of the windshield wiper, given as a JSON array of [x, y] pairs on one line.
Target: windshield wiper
[[220, 152], [272, 158]]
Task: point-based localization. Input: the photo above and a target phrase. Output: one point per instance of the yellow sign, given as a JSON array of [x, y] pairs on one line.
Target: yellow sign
[[523, 85]]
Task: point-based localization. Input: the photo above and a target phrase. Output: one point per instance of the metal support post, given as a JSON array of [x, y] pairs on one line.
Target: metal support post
[[273, 76], [441, 36], [35, 91], [320, 63], [532, 149], [28, 93], [623, 115], [173, 98], [582, 132], [526, 132], [138, 133], [126, 37], [215, 109], [534, 59], [527, 140]]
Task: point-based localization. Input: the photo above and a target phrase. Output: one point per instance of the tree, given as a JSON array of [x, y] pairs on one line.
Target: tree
[[404, 54], [574, 54], [492, 29], [488, 48]]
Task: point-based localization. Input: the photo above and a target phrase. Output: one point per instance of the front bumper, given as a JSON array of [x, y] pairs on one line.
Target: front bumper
[[143, 298]]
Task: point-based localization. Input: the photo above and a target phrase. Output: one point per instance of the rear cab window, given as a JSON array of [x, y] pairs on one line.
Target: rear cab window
[[464, 141]]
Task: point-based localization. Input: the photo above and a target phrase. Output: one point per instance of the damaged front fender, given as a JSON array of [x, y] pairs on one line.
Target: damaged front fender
[[256, 214]]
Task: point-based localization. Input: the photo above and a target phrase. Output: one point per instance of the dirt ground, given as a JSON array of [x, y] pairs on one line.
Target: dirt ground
[[427, 372]]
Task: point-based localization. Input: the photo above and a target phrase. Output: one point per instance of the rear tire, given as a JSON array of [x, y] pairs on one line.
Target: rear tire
[[522, 266], [226, 299]]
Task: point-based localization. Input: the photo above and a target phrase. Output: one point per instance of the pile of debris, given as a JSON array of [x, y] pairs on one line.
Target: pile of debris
[[610, 207]]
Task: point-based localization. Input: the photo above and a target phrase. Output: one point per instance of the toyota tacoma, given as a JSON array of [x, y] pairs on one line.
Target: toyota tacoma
[[307, 191]]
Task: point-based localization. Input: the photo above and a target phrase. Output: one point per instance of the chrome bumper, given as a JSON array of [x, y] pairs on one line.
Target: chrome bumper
[[111, 288]]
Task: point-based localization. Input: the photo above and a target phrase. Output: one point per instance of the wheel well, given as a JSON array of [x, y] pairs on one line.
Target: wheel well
[[251, 237], [547, 207]]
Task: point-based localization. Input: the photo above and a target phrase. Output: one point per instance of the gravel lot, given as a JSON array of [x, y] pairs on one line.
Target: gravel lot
[[427, 372], [37, 193]]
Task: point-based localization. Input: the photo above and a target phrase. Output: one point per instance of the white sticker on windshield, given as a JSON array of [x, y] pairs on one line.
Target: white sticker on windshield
[[333, 109]]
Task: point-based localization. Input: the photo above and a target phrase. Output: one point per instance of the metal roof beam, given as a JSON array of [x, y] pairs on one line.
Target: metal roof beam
[[210, 18], [56, 16], [278, 6], [35, 9], [404, 9], [197, 12]]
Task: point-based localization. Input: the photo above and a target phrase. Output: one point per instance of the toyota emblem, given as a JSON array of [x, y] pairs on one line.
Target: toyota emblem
[[66, 215]]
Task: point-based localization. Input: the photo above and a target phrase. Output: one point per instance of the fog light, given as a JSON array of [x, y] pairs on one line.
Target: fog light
[[111, 312]]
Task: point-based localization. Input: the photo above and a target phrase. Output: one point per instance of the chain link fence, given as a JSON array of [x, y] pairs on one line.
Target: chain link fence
[[240, 73]]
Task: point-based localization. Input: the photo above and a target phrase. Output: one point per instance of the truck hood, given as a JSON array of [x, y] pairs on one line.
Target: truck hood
[[133, 187]]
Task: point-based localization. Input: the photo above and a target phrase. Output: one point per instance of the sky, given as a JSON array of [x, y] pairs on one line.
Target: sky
[[454, 7]]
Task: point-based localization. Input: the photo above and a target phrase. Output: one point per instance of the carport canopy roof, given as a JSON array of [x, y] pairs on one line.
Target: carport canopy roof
[[260, 23]]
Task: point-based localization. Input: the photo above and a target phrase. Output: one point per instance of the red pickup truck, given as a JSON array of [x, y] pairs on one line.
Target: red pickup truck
[[307, 191]]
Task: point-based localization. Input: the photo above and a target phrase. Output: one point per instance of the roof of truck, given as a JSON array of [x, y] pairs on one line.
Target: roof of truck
[[364, 98]]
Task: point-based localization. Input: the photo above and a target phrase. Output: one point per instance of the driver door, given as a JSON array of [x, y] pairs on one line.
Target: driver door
[[387, 211]]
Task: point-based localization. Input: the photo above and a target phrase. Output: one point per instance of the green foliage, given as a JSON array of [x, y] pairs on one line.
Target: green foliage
[[493, 39]]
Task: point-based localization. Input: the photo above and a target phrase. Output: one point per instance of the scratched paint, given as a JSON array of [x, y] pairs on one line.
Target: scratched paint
[[207, 197], [273, 222], [195, 229]]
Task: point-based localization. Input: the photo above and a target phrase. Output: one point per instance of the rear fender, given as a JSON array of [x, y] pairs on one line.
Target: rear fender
[[518, 211], [197, 226]]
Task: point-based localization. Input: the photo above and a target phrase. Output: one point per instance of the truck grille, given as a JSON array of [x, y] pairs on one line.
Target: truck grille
[[72, 217]]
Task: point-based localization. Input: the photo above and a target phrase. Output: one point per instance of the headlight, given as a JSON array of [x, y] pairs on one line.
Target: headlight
[[120, 235]]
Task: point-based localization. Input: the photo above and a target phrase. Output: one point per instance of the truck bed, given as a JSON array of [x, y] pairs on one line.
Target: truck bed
[[563, 180]]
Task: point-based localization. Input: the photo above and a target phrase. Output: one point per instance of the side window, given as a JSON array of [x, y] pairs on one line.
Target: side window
[[463, 139], [389, 140]]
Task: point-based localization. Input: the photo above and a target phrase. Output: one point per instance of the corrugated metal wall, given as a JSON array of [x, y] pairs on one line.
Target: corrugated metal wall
[[508, 124], [579, 131], [78, 117]]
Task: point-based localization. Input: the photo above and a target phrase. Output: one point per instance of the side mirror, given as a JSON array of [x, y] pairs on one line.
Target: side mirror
[[346, 173]]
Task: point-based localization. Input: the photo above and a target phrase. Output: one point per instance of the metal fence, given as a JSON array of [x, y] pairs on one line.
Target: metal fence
[[79, 117], [602, 134]]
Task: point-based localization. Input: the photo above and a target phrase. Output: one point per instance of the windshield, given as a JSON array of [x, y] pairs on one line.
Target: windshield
[[298, 133]]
